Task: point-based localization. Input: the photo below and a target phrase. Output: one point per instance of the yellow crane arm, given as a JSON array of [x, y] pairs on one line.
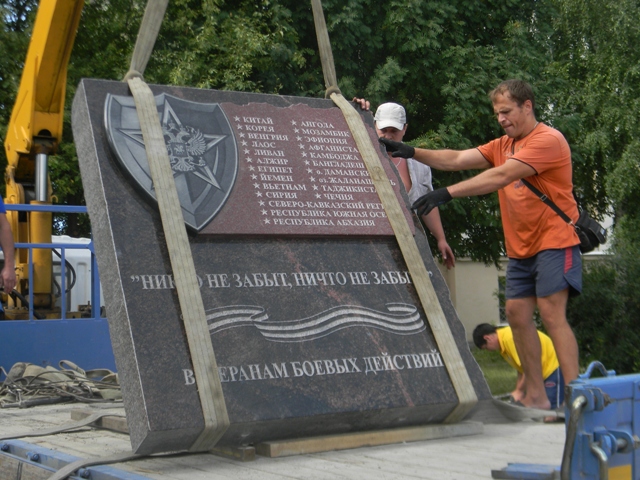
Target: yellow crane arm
[[34, 133], [39, 107]]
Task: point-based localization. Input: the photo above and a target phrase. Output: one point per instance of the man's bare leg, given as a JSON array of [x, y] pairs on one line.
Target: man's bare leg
[[553, 310], [520, 316]]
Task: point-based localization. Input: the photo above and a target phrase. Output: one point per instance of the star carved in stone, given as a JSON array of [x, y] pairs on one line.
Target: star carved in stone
[[186, 147]]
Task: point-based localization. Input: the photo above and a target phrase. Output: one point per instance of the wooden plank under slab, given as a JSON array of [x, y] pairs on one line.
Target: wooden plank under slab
[[116, 422], [301, 446]]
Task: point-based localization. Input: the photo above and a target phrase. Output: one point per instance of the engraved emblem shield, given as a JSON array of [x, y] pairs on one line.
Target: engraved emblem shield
[[201, 147]]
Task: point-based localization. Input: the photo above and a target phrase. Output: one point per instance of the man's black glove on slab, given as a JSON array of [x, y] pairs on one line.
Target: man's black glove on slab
[[398, 149], [431, 200]]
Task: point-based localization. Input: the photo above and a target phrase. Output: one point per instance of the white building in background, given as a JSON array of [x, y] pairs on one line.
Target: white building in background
[[474, 289]]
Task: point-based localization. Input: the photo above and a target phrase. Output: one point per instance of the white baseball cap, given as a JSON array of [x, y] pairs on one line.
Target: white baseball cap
[[390, 115]]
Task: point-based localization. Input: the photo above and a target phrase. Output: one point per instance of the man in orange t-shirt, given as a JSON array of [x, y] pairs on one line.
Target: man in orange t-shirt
[[530, 226], [545, 266]]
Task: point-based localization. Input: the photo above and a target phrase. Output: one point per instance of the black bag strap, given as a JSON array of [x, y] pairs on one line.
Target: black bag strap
[[549, 202]]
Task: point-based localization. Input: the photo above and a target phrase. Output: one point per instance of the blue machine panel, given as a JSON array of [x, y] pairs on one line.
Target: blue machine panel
[[603, 433], [83, 341]]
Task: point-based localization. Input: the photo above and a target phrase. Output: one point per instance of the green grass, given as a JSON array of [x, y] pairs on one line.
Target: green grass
[[500, 376]]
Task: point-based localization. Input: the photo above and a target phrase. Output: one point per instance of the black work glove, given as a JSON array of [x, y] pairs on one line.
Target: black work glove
[[431, 200], [398, 149]]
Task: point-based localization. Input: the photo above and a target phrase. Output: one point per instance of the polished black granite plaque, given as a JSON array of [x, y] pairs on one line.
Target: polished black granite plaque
[[314, 320]]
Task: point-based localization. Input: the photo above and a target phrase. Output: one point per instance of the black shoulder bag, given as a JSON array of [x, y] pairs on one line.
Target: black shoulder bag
[[590, 232]]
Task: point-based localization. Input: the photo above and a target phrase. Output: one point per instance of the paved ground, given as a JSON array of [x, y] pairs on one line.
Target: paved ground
[[460, 458]]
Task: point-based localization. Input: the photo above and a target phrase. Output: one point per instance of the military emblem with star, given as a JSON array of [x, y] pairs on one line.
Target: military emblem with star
[[200, 145]]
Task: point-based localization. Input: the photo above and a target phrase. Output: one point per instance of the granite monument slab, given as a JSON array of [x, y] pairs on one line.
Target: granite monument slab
[[312, 314]]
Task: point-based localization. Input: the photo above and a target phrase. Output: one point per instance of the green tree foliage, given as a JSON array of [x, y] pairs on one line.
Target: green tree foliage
[[603, 317], [596, 68], [104, 42], [242, 46], [16, 17], [438, 58]]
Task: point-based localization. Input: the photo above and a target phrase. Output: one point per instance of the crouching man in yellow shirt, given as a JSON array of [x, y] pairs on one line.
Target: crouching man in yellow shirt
[[488, 337]]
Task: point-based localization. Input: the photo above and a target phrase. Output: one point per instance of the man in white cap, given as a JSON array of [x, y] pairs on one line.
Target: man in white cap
[[391, 122]]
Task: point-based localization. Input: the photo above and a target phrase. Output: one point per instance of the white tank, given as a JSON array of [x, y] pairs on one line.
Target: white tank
[[78, 261]]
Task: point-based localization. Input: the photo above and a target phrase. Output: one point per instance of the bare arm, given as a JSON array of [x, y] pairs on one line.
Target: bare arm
[[486, 182], [452, 160], [434, 224], [519, 392], [8, 274], [492, 179]]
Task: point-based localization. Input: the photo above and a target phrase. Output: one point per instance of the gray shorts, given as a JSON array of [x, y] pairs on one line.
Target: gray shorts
[[546, 273]]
